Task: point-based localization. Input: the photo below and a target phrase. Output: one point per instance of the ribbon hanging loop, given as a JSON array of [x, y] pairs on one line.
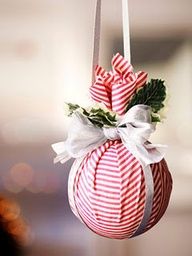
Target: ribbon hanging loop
[[97, 34]]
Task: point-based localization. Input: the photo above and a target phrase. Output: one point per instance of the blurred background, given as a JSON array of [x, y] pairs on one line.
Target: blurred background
[[45, 60]]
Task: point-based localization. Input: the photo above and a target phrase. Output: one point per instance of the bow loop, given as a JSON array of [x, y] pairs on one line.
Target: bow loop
[[138, 123]]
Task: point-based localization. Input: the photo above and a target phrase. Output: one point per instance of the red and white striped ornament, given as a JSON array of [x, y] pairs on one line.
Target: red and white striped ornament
[[109, 187]]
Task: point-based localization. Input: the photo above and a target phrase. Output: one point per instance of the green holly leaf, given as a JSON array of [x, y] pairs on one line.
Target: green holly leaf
[[102, 117], [152, 94], [97, 116], [155, 118], [75, 107], [72, 107]]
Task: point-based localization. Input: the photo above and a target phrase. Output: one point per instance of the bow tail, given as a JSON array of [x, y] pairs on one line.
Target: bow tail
[[156, 152], [62, 154], [148, 153]]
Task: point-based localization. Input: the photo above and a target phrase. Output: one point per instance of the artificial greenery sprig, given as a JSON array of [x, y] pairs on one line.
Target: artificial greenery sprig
[[98, 116], [151, 94]]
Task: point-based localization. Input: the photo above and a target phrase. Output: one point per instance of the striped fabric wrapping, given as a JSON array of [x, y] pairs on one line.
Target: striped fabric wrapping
[[109, 187], [110, 191]]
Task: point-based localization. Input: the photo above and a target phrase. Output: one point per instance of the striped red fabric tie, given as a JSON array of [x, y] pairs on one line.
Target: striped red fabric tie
[[115, 88]]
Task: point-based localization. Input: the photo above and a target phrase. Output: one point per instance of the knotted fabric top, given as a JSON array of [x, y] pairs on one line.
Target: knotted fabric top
[[115, 88]]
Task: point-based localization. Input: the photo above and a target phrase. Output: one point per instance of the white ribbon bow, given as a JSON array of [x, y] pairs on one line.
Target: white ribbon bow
[[134, 130]]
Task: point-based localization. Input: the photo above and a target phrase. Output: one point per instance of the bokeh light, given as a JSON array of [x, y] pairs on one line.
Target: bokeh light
[[13, 222], [22, 174], [9, 184], [9, 210]]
